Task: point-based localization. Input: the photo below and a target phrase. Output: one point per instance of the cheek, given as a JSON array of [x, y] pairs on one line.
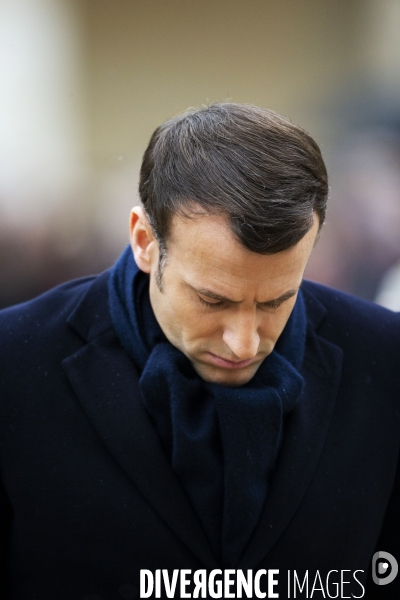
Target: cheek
[[199, 326], [192, 324], [180, 317]]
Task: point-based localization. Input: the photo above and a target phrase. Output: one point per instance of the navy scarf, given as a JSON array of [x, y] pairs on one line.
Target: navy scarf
[[222, 442]]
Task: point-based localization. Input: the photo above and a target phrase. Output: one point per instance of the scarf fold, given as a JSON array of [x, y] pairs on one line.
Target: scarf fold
[[222, 442]]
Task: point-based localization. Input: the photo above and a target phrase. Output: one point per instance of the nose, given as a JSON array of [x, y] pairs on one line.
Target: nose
[[241, 336]]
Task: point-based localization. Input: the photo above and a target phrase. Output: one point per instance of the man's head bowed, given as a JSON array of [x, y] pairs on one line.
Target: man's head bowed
[[265, 174]]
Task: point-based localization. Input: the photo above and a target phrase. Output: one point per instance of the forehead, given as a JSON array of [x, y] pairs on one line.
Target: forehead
[[204, 248]]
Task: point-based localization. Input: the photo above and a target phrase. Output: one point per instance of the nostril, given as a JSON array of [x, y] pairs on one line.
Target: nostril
[[243, 345]]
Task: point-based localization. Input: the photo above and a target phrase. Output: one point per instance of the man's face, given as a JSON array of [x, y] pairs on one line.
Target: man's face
[[222, 305]]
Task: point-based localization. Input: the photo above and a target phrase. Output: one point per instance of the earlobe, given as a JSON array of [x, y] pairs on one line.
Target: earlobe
[[142, 239]]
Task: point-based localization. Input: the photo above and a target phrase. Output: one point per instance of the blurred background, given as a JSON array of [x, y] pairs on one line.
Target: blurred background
[[85, 82]]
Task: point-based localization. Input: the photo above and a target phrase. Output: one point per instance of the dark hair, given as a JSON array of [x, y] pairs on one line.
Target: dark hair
[[265, 173]]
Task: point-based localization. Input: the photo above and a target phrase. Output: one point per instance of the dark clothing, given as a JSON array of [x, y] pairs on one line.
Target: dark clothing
[[221, 442], [88, 497]]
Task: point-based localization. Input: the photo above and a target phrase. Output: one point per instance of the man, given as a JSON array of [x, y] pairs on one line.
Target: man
[[198, 407]]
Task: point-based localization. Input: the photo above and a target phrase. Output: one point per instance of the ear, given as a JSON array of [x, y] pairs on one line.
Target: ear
[[143, 242]]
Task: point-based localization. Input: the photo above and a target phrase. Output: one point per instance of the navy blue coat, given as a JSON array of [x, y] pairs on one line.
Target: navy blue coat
[[88, 497]]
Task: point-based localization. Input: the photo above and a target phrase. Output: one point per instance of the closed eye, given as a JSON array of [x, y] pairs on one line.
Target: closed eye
[[213, 303], [222, 303], [216, 301], [270, 305]]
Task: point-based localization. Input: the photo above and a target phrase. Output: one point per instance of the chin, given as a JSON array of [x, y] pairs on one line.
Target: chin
[[227, 377]]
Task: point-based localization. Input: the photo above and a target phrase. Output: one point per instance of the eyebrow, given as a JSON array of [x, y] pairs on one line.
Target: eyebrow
[[274, 302]]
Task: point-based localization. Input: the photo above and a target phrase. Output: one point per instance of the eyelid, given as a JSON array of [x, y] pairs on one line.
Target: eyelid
[[215, 303], [274, 305], [263, 305], [270, 305]]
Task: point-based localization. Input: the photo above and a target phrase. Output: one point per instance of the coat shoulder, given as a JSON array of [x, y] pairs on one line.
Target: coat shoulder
[[36, 335], [352, 320], [43, 312]]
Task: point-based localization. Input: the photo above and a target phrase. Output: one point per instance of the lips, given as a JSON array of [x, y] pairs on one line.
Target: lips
[[229, 364]]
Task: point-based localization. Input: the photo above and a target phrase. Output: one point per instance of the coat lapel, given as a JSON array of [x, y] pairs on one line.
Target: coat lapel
[[105, 381], [303, 439]]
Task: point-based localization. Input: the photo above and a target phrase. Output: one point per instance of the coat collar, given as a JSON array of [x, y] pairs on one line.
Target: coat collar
[[105, 381]]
